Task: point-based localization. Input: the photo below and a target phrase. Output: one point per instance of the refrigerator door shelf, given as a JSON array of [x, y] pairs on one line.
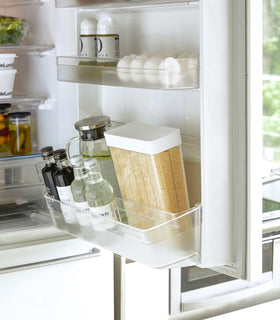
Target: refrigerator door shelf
[[146, 235], [183, 74], [120, 3]]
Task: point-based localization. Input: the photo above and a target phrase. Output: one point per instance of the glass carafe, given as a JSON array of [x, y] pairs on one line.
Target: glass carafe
[[92, 145]]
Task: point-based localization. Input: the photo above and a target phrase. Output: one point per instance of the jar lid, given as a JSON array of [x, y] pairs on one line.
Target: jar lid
[[92, 123], [60, 154], [47, 151], [19, 115], [88, 26], [5, 106], [107, 25]]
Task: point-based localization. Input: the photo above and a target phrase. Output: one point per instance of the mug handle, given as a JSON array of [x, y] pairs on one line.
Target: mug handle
[[67, 149]]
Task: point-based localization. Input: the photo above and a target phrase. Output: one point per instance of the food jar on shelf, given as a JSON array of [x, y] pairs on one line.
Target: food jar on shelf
[[20, 133], [4, 127]]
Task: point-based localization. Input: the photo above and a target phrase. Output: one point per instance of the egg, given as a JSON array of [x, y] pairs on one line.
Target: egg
[[173, 72], [137, 69], [123, 69], [151, 70]]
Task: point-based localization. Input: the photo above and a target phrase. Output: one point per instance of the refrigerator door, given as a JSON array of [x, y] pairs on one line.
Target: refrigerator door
[[223, 115], [219, 121]]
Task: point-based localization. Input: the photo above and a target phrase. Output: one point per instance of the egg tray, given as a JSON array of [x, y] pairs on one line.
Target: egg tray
[[166, 73]]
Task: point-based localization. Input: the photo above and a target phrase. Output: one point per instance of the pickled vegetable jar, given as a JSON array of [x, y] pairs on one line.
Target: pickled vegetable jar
[[20, 133], [4, 127]]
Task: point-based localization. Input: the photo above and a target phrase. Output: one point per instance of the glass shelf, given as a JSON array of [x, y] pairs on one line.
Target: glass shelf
[[146, 235], [16, 3], [26, 49], [8, 157], [102, 4], [25, 100], [81, 70]]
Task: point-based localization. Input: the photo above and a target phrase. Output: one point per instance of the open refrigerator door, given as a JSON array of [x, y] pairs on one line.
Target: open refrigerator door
[[179, 64]]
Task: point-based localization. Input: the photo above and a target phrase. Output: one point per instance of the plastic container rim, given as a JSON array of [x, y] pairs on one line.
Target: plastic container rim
[[180, 214]]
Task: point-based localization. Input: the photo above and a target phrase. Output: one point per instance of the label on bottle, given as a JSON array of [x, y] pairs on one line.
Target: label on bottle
[[88, 46], [109, 210], [65, 195], [82, 216], [108, 47]]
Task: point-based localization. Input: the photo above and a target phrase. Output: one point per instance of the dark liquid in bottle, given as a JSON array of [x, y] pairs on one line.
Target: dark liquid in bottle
[[63, 177], [48, 176]]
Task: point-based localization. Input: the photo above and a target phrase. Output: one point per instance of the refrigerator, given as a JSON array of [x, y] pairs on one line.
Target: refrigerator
[[217, 105]]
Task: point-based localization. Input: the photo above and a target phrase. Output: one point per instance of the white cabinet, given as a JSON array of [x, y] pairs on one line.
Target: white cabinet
[[76, 285]]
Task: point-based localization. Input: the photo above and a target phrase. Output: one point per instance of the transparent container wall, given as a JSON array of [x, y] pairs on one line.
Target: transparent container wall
[[22, 204], [149, 236], [74, 69], [28, 213], [19, 174], [116, 3], [12, 30]]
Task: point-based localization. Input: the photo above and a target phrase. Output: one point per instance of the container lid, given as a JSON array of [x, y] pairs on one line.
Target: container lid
[[60, 154], [144, 138], [92, 123], [19, 115], [88, 26], [107, 25], [4, 106], [47, 151], [8, 55]]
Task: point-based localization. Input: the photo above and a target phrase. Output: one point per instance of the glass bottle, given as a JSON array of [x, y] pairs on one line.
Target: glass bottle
[[4, 127], [48, 171], [99, 194], [63, 177], [78, 188]]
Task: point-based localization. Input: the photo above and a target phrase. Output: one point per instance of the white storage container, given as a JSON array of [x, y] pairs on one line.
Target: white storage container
[[7, 61], [7, 78], [149, 166]]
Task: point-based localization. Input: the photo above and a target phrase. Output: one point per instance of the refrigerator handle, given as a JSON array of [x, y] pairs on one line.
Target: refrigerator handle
[[93, 253]]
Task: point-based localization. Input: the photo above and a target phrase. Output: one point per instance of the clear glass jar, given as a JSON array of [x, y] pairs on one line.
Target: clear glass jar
[[92, 144], [4, 127], [20, 133]]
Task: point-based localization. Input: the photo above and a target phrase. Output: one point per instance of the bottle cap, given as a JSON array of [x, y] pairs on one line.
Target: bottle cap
[[92, 123], [107, 25], [60, 154], [47, 151], [88, 26], [91, 163]]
